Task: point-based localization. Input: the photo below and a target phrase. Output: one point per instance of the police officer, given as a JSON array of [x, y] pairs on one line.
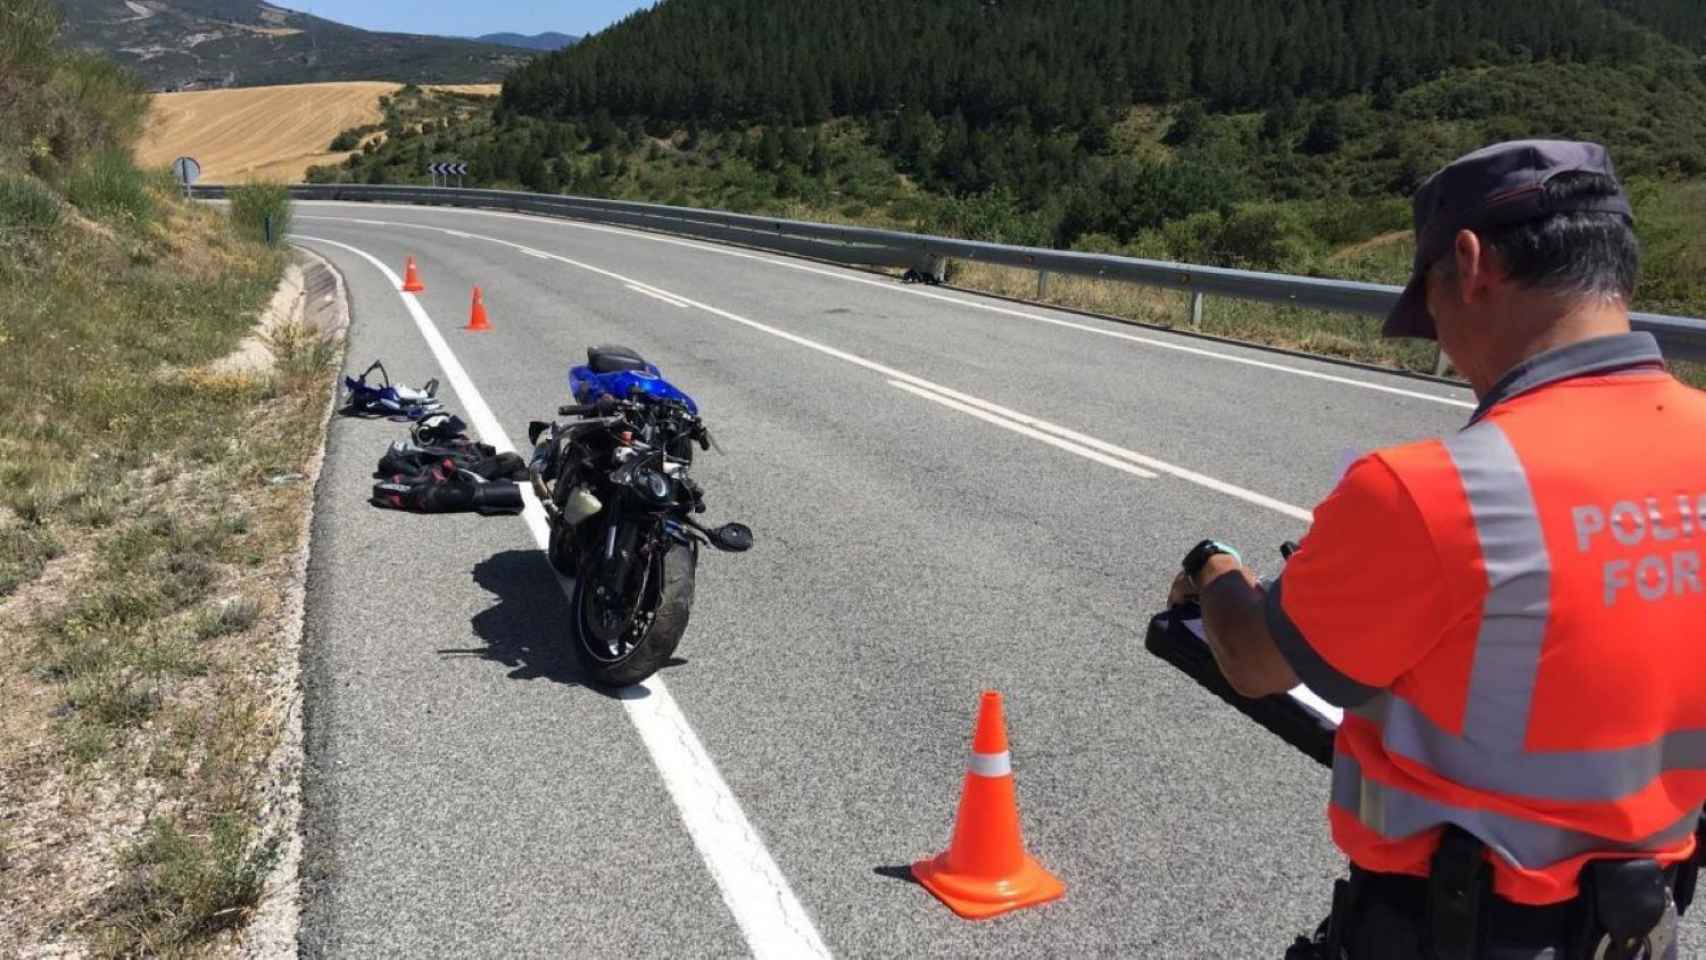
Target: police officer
[[1513, 617]]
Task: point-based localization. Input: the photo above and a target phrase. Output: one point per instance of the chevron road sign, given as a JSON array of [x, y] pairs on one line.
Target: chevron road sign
[[446, 171]]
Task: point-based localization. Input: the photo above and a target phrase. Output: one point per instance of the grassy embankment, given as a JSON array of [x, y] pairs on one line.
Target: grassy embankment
[[151, 501]]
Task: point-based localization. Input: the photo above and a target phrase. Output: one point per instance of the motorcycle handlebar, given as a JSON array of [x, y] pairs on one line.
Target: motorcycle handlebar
[[603, 405]]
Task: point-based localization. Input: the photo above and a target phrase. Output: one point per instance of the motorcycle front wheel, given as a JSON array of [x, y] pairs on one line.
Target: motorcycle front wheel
[[621, 641]]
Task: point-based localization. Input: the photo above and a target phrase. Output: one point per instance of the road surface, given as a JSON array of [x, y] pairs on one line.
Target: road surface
[[950, 493]]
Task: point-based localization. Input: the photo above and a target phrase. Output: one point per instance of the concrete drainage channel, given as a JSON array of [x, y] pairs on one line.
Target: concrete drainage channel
[[313, 295]]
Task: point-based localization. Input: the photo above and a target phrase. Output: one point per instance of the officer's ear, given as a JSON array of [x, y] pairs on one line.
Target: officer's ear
[[1475, 269]]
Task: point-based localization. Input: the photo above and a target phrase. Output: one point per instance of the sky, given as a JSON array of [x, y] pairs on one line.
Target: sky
[[462, 18]]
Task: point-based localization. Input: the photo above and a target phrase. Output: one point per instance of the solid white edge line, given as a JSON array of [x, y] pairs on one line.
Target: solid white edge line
[[969, 410], [771, 918], [1160, 466], [890, 286], [656, 296]]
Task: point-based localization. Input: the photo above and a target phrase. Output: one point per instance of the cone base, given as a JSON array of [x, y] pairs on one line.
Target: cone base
[[977, 898], [413, 288]]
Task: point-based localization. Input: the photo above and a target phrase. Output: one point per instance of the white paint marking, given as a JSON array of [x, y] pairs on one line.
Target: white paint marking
[[655, 295], [970, 410], [1160, 466], [772, 920], [891, 286], [1190, 476], [536, 253]]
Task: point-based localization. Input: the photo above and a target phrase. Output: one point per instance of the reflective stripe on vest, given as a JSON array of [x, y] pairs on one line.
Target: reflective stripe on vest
[[1489, 754], [1396, 813]]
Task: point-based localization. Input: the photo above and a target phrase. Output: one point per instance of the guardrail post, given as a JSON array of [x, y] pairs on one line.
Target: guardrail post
[[1042, 284], [1196, 311]]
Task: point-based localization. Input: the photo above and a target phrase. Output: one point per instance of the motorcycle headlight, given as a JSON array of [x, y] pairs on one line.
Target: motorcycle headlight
[[653, 486]]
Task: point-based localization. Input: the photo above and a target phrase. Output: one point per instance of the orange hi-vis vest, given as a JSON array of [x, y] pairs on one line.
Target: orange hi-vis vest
[[1514, 618]]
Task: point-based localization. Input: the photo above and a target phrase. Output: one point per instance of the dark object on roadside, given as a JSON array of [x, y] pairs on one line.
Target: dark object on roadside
[[443, 470], [446, 489], [406, 458]]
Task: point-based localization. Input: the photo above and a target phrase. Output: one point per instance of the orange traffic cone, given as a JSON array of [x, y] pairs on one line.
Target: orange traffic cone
[[412, 278], [477, 315], [985, 870]]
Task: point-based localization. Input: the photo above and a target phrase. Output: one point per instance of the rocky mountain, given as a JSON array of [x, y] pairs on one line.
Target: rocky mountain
[[197, 44], [548, 41]]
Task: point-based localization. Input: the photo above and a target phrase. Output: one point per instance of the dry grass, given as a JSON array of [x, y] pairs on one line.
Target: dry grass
[[1341, 335], [258, 133], [137, 651], [267, 133], [477, 89]]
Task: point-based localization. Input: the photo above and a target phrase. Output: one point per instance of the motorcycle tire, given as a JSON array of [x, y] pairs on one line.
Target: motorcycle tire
[[673, 603]]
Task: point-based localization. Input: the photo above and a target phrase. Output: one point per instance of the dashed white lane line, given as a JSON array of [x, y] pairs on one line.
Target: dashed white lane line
[[1022, 419], [892, 287], [1056, 442], [770, 917], [656, 295]]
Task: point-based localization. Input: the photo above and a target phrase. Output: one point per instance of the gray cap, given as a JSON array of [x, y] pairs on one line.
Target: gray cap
[[1493, 187]]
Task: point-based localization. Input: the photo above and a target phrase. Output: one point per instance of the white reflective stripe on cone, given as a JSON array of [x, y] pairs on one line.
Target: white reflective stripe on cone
[[992, 764]]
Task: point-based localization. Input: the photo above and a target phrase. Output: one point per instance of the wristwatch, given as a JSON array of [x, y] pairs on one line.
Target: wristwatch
[[1198, 557]]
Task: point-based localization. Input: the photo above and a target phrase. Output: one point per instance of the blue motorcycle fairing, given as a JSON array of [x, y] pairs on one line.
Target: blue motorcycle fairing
[[587, 387]]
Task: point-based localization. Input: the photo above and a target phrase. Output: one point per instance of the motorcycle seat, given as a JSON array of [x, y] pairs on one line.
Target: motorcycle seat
[[613, 358]]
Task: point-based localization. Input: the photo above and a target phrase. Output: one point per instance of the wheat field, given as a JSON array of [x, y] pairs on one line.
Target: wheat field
[[263, 133]]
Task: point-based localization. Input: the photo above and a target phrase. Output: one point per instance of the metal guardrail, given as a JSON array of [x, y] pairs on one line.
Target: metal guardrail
[[1681, 337]]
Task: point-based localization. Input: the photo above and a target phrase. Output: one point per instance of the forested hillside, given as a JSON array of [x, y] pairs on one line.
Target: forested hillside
[[1266, 134], [731, 61]]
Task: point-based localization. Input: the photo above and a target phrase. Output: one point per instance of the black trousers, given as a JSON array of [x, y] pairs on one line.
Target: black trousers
[[1390, 922]]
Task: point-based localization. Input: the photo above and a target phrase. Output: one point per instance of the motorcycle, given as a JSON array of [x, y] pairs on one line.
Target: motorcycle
[[620, 503]]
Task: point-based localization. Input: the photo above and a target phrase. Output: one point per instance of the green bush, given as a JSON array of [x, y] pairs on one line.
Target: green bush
[[106, 185], [253, 203], [59, 106], [26, 203], [1265, 236]]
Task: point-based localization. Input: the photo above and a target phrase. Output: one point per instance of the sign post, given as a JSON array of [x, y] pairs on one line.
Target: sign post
[[187, 172]]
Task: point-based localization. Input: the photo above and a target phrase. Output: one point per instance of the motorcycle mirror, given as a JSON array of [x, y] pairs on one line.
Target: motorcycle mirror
[[733, 537]]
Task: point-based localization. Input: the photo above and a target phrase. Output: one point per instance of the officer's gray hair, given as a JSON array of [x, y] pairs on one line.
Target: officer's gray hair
[[1570, 255]]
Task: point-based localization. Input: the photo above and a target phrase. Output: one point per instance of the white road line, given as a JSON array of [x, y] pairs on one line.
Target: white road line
[[1160, 466], [536, 253], [656, 295], [772, 920], [1084, 452], [892, 287]]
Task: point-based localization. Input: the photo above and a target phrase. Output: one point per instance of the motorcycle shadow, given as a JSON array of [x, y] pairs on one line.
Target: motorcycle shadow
[[527, 629]]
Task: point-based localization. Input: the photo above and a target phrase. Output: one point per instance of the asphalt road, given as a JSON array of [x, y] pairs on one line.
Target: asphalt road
[[468, 797]]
